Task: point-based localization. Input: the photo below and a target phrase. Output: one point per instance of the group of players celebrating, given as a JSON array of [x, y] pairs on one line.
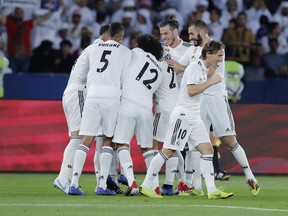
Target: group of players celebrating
[[185, 84]]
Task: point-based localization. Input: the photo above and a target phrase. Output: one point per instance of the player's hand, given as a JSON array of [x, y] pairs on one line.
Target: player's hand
[[216, 79]]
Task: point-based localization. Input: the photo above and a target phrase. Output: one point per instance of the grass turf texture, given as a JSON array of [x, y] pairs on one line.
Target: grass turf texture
[[33, 194]]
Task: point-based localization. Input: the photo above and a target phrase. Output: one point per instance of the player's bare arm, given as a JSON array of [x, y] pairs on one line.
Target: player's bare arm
[[195, 89], [176, 66]]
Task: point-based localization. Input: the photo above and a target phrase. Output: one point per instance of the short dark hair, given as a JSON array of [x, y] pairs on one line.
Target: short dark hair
[[151, 44], [200, 25], [116, 28], [212, 47], [104, 29], [171, 21], [65, 42]]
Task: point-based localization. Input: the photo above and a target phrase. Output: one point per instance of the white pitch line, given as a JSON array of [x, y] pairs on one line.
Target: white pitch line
[[160, 205]]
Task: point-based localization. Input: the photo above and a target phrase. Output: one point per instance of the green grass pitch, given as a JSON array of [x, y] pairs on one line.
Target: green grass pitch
[[33, 194]]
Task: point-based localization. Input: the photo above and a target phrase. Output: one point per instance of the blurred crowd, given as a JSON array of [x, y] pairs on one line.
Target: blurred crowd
[[254, 31]]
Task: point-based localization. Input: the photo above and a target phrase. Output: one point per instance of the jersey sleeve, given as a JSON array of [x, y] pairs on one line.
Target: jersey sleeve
[[184, 60]]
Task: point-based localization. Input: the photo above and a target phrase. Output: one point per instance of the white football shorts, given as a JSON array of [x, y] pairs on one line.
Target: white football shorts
[[134, 120], [99, 116], [181, 132], [215, 110], [160, 126], [73, 104]]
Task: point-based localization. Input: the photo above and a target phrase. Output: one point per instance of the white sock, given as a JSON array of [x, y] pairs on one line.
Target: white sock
[[180, 167], [127, 164], [241, 158], [153, 170], [197, 179], [207, 170], [189, 168], [114, 165], [97, 155], [105, 164], [79, 161], [171, 169], [65, 173], [148, 156]]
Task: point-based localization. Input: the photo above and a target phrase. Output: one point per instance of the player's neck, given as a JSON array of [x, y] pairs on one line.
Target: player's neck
[[205, 40], [176, 42]]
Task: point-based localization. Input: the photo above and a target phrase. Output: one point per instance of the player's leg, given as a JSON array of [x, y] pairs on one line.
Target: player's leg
[[200, 139], [124, 133], [224, 128], [79, 161], [109, 111], [73, 106], [97, 168], [160, 127]]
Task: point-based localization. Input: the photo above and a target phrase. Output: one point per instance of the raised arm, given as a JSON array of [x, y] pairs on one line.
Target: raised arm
[[41, 19]]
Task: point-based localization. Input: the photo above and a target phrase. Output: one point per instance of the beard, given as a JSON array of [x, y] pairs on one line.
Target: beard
[[198, 41]]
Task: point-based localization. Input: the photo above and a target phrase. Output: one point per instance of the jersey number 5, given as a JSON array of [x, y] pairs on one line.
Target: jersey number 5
[[147, 82], [104, 60]]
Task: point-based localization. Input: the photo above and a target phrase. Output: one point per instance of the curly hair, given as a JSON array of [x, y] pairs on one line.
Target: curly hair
[[151, 44]]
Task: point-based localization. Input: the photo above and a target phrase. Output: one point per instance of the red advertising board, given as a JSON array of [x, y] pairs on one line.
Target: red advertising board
[[33, 136]]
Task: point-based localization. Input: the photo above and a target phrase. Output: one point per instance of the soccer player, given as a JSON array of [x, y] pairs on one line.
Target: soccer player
[[144, 76], [108, 62], [112, 178], [73, 103], [186, 124], [174, 48], [215, 96]]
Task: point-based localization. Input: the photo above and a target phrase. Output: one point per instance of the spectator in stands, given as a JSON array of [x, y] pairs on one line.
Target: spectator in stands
[[19, 32], [241, 39], [85, 40], [48, 29], [170, 9], [126, 6], [257, 9], [215, 28], [62, 34], [273, 62], [281, 16], [255, 70], [64, 60], [275, 32], [201, 9], [143, 21], [75, 30], [263, 29], [43, 58], [229, 13], [85, 12]]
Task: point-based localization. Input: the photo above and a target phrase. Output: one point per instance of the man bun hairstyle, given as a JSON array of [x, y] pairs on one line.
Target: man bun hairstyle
[[171, 21]]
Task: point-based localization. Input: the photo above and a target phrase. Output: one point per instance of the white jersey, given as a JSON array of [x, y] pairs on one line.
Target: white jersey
[[189, 107], [175, 54], [98, 40], [108, 65], [142, 80], [78, 75], [166, 95], [193, 54]]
